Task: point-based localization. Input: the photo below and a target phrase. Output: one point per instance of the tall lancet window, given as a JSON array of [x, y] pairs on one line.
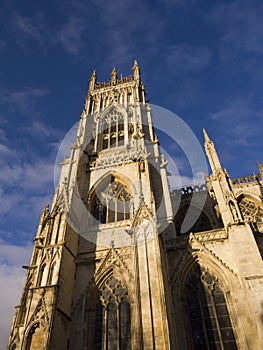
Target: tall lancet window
[[113, 130], [113, 318], [211, 326], [111, 201]]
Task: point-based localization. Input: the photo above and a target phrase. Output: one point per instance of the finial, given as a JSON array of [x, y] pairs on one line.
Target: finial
[[114, 76], [93, 80], [206, 137], [136, 70], [260, 168]]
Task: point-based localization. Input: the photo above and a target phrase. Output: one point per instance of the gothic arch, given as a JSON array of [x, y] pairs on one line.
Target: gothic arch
[[42, 274], [227, 281], [251, 209], [115, 106], [243, 193], [103, 309], [120, 273], [111, 199], [203, 260], [113, 318], [32, 339], [123, 178]]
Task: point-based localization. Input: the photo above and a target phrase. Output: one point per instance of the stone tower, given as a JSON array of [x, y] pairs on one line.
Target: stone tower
[[112, 267]]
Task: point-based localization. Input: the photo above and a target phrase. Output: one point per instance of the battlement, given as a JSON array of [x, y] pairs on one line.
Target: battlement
[[255, 178], [189, 189], [100, 85]]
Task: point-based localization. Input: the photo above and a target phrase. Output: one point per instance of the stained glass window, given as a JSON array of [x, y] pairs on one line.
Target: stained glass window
[[208, 314]]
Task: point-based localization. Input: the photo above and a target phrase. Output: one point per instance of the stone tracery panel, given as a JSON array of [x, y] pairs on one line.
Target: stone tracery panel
[[209, 318], [251, 211], [113, 317], [112, 202]]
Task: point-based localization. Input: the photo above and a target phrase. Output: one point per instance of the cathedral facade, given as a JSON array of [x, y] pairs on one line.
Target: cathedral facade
[[113, 267]]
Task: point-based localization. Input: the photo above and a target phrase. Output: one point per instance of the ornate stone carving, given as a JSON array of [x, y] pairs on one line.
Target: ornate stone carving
[[121, 156]]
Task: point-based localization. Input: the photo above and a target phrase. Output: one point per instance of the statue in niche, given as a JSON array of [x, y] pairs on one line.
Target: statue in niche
[[138, 133]]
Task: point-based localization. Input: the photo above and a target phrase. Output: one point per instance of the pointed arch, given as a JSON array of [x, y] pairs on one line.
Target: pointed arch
[[42, 275], [110, 200], [207, 311], [113, 316], [203, 285], [251, 209], [51, 273], [112, 127], [35, 336]]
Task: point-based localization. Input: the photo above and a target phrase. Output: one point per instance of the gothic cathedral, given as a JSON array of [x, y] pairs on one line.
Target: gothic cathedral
[[112, 268]]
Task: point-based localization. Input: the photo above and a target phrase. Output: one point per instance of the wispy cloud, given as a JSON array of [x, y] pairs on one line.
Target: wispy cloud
[[26, 177], [40, 130], [188, 58], [70, 36], [240, 120], [240, 28], [26, 27], [23, 100]]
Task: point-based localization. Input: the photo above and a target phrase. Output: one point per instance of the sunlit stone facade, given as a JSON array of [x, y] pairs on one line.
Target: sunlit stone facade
[[112, 267]]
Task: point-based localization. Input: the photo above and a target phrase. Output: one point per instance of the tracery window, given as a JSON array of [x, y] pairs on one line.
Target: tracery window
[[251, 211], [208, 314], [113, 130], [51, 276], [113, 318], [111, 202], [42, 276], [35, 337]]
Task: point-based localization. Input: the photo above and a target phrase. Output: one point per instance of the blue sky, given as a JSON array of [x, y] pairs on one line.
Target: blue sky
[[200, 59]]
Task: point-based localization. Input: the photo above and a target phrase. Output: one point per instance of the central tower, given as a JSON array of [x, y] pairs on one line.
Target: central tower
[[119, 177], [97, 275]]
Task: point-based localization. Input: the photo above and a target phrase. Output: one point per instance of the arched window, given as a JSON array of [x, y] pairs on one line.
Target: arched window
[[251, 211], [42, 276], [111, 202], [51, 276], [113, 130], [113, 318], [211, 326], [35, 339]]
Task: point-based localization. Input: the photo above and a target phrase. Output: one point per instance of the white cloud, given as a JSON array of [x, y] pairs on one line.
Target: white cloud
[[25, 26], [23, 100], [188, 58], [241, 120], [5, 151], [71, 35], [26, 181], [11, 279], [239, 24]]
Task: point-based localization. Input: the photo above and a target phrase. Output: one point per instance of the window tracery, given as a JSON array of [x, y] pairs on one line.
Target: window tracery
[[113, 130], [251, 211], [111, 202], [208, 313], [42, 275], [113, 318], [35, 337]]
